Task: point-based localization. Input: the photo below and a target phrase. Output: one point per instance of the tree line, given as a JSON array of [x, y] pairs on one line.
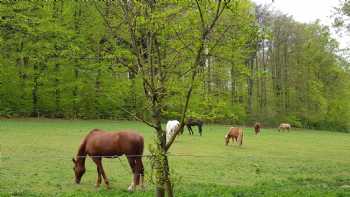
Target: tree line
[[77, 59]]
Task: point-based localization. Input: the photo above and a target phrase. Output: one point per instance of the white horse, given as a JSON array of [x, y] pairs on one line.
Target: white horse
[[171, 127], [284, 126]]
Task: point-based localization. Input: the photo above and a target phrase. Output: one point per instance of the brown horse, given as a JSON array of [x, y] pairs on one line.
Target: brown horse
[[257, 127], [98, 144], [234, 133]]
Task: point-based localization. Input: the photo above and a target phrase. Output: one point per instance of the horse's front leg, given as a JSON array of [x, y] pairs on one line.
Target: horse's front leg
[[190, 130], [104, 177], [100, 172], [98, 166]]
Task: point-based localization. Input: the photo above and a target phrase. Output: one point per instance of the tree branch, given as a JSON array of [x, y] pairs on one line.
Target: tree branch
[[201, 16], [139, 118]]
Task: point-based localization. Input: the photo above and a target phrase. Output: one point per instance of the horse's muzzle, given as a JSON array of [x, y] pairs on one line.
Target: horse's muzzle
[[77, 181]]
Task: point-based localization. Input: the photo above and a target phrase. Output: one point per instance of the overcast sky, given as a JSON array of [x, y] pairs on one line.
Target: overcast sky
[[308, 11]]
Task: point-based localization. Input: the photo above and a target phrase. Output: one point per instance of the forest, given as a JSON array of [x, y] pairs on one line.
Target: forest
[[77, 60]]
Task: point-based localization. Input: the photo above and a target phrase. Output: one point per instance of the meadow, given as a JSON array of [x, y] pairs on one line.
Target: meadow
[[36, 161]]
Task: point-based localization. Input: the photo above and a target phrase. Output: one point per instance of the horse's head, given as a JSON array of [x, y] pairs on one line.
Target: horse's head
[[226, 139], [79, 170]]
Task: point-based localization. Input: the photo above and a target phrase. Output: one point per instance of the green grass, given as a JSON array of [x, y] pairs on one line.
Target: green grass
[[36, 161]]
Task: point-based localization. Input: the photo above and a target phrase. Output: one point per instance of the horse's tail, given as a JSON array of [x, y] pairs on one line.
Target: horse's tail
[[141, 146]]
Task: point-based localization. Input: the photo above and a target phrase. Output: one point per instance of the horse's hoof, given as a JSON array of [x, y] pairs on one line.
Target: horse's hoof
[[131, 188]]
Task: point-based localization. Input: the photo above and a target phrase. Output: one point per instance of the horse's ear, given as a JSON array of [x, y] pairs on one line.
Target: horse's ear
[[74, 160]]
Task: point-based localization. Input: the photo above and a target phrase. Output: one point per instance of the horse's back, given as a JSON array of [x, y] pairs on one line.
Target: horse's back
[[171, 125], [100, 142], [235, 131], [194, 122], [285, 125]]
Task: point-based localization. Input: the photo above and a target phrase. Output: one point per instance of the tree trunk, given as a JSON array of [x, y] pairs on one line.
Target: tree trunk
[[168, 186], [57, 91], [233, 86], [97, 93], [75, 92], [250, 87], [77, 16], [35, 111]]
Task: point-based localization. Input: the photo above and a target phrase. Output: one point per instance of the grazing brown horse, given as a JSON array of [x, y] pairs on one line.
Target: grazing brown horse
[[194, 122], [284, 126], [98, 144], [257, 127], [234, 133]]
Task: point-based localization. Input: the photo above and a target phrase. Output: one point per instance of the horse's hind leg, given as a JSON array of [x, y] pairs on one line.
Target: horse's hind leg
[[139, 172], [132, 164]]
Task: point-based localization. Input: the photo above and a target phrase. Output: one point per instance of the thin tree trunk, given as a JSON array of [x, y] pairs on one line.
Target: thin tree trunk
[[75, 92], [35, 111], [233, 86], [77, 16], [250, 86], [57, 91], [258, 84], [98, 93], [57, 16]]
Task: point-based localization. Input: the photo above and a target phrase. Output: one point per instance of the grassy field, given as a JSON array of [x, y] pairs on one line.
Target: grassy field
[[36, 161]]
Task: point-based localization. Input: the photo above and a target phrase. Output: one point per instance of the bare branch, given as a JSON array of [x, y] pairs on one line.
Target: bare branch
[[139, 118], [201, 16], [107, 23]]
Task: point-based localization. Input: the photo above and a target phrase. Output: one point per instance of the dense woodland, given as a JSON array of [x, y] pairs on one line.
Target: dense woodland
[[74, 59]]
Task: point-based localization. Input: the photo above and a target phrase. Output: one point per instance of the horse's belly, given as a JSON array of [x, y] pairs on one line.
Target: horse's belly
[[103, 150], [105, 153]]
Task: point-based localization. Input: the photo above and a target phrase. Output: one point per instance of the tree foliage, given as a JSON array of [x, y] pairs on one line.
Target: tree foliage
[[77, 60]]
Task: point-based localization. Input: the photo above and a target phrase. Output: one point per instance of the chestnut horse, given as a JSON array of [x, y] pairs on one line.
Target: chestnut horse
[[234, 133], [98, 144], [257, 127], [284, 126], [194, 122]]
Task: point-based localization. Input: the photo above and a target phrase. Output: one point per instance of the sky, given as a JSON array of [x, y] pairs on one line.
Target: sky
[[308, 11]]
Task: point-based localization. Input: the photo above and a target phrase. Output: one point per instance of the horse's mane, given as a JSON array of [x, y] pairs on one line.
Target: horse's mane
[[81, 150]]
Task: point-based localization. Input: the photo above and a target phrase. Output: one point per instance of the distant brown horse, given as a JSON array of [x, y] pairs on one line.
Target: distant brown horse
[[284, 126], [234, 133], [98, 144], [257, 127]]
